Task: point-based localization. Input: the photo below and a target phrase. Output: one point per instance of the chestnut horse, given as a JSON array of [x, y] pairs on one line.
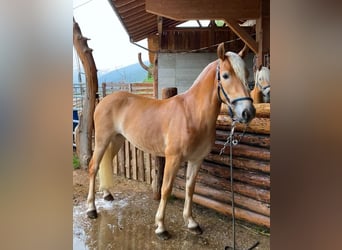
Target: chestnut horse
[[262, 88], [181, 128]]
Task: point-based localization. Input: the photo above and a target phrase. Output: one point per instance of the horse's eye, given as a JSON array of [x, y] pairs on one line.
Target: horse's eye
[[225, 76]]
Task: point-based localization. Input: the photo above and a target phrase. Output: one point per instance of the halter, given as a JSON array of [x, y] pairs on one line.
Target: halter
[[229, 102], [262, 88]]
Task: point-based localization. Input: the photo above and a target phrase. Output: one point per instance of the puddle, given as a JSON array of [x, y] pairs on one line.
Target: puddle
[[128, 223], [117, 226]]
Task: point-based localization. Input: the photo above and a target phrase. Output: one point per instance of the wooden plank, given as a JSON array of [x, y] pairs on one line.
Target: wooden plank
[[122, 161], [158, 177], [225, 197], [134, 162], [219, 183], [226, 209], [248, 177], [127, 160], [140, 165], [116, 165], [241, 32], [257, 140], [257, 125], [143, 84], [242, 150], [148, 168], [239, 162], [204, 9]]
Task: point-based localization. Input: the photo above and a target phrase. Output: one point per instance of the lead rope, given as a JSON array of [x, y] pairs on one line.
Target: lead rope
[[233, 142]]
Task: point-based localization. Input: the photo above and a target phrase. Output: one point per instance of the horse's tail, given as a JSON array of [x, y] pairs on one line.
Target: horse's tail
[[106, 168]]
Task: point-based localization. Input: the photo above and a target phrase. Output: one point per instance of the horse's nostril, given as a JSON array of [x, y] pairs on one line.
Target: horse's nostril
[[245, 115], [248, 114]]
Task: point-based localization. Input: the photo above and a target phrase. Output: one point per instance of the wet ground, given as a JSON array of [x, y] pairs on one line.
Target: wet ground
[[128, 222]]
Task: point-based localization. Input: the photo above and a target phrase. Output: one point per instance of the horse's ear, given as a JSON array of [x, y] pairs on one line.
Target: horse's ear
[[244, 51], [220, 51]]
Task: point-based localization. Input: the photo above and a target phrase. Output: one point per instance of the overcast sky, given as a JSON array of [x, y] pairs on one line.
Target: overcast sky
[[109, 39]]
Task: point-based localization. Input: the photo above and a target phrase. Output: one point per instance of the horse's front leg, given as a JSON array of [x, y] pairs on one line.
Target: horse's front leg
[[191, 174], [171, 167]]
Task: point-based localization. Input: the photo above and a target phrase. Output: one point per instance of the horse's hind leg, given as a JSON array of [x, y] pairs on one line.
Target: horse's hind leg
[[170, 171], [106, 166], [191, 174], [93, 168], [101, 142]]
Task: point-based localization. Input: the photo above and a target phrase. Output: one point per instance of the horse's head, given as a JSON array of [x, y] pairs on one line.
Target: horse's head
[[262, 81], [232, 85]]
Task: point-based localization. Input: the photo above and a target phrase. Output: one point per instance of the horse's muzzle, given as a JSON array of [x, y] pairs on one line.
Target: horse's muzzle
[[244, 111]]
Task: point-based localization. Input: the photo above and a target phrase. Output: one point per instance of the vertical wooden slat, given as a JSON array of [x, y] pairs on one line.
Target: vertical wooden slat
[[116, 164], [127, 159], [140, 163], [148, 164], [121, 156], [157, 175], [134, 162]]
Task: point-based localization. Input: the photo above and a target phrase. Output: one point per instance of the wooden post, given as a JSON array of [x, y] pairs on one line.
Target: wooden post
[[160, 161], [155, 76], [104, 93], [86, 123], [262, 29]]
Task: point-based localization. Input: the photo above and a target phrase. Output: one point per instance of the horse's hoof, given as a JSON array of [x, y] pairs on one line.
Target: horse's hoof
[[164, 235], [196, 230], [108, 197], [92, 214]]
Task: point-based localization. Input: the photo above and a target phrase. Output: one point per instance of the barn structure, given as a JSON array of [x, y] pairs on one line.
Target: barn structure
[[178, 55]]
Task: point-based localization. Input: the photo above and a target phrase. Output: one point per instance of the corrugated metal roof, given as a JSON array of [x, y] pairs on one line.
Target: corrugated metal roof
[[138, 23]]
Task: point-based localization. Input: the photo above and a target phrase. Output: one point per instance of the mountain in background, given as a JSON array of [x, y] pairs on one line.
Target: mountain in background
[[129, 74]]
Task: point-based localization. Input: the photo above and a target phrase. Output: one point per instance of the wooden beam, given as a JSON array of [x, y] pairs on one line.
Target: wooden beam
[[229, 11], [259, 38], [240, 32], [204, 9], [263, 32], [160, 29]]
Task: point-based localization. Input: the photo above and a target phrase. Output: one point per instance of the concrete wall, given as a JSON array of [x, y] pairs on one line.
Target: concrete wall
[[181, 70]]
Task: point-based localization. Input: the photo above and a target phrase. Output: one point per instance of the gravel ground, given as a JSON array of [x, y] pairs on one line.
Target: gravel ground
[[128, 222]]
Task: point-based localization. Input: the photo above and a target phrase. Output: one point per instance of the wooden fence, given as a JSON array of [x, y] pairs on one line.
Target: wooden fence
[[133, 163], [79, 90], [144, 89], [251, 171]]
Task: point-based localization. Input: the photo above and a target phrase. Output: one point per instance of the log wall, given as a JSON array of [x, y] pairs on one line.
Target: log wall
[[251, 171]]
